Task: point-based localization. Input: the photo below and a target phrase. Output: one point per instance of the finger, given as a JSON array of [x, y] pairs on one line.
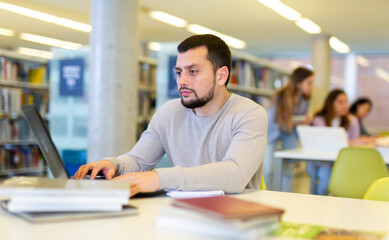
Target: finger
[[134, 189], [95, 170], [85, 170], [109, 173], [78, 173]]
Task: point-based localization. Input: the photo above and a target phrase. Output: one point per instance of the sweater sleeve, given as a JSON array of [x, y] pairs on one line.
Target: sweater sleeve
[[353, 130], [142, 156], [319, 121], [242, 160]]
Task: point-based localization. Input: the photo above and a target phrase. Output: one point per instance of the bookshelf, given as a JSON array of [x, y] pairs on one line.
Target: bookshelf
[[147, 92], [23, 80], [255, 78]]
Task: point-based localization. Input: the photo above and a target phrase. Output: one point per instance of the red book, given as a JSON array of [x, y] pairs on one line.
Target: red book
[[227, 207]]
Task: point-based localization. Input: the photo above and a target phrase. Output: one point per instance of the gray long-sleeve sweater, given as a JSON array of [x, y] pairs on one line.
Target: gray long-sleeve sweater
[[223, 151]]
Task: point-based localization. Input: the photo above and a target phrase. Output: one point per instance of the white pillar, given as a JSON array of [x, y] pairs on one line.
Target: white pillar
[[321, 60], [351, 76], [113, 92]]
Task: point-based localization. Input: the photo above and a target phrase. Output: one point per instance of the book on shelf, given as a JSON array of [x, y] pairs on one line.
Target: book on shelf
[[34, 194], [16, 70], [221, 216], [20, 157], [12, 100]]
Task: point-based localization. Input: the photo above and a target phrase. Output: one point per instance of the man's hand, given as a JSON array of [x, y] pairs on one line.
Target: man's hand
[[104, 166], [141, 181]]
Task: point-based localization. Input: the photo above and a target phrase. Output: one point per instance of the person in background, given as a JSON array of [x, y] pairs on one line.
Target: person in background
[[289, 108], [360, 108], [334, 113], [215, 140]]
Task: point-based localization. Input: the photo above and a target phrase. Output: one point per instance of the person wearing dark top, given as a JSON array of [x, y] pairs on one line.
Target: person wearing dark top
[[360, 108]]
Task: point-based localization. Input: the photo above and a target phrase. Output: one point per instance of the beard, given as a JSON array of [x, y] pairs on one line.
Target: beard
[[198, 102]]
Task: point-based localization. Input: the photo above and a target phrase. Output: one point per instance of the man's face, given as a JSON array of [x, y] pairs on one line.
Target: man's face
[[195, 78]]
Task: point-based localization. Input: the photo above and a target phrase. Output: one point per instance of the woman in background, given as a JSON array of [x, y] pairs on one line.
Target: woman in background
[[334, 113], [289, 108], [360, 108]]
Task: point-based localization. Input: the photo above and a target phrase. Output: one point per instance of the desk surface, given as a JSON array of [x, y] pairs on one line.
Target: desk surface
[[300, 208], [302, 154]]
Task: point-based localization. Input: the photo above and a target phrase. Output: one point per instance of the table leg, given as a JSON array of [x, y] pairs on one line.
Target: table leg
[[277, 175]]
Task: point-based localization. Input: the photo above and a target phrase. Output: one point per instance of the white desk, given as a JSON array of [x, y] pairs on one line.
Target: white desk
[[305, 155], [300, 208]]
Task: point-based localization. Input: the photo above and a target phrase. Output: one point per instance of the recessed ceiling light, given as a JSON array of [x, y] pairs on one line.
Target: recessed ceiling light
[[6, 32], [362, 61], [35, 52], [382, 73], [338, 45], [282, 9], [308, 26], [169, 19], [49, 41], [231, 41], [46, 17], [155, 46]]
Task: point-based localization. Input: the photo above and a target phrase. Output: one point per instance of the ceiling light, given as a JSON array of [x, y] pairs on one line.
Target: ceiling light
[[338, 45], [6, 32], [169, 19], [155, 46], [382, 73], [46, 17], [282, 9], [35, 53], [308, 26], [231, 41], [49, 41], [362, 61]]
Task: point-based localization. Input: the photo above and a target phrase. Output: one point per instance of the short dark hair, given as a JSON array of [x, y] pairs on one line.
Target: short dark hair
[[357, 103], [219, 53]]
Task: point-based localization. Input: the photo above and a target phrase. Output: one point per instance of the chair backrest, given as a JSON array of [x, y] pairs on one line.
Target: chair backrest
[[378, 190], [262, 185], [355, 169]]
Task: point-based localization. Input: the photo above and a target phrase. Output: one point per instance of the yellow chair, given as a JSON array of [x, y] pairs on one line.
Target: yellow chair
[[354, 170], [262, 185], [378, 190]]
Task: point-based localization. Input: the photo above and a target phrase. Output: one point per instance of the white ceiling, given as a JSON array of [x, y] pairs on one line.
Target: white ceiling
[[362, 24]]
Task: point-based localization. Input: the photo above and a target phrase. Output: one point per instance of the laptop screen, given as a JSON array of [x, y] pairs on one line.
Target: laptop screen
[[45, 142]]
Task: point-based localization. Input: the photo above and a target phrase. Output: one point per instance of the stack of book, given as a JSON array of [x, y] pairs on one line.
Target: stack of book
[[53, 197], [221, 216]]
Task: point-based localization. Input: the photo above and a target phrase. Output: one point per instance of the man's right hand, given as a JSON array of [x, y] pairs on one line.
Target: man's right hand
[[105, 166]]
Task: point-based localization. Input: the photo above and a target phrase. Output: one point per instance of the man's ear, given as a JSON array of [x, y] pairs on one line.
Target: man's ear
[[222, 75]]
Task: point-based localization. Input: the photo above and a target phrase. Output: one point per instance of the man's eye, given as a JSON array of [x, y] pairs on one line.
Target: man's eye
[[178, 74], [193, 71]]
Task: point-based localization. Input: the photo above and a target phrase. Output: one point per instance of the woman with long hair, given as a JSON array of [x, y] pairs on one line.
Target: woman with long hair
[[334, 113], [289, 108]]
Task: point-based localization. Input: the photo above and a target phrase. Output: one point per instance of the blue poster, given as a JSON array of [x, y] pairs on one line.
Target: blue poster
[[72, 77], [172, 88]]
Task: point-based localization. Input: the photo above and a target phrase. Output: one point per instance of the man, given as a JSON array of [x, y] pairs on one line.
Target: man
[[216, 141]]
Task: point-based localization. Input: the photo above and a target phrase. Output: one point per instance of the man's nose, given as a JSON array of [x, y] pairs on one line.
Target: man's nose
[[183, 79]]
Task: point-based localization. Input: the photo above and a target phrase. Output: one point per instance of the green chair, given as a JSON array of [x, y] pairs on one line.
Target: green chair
[[262, 185], [354, 170], [378, 190]]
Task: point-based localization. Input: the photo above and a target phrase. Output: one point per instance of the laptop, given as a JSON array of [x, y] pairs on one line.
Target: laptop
[[322, 138], [50, 152], [45, 143]]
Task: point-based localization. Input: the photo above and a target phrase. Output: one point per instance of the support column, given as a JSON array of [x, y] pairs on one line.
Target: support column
[[351, 76], [321, 60], [113, 87]]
